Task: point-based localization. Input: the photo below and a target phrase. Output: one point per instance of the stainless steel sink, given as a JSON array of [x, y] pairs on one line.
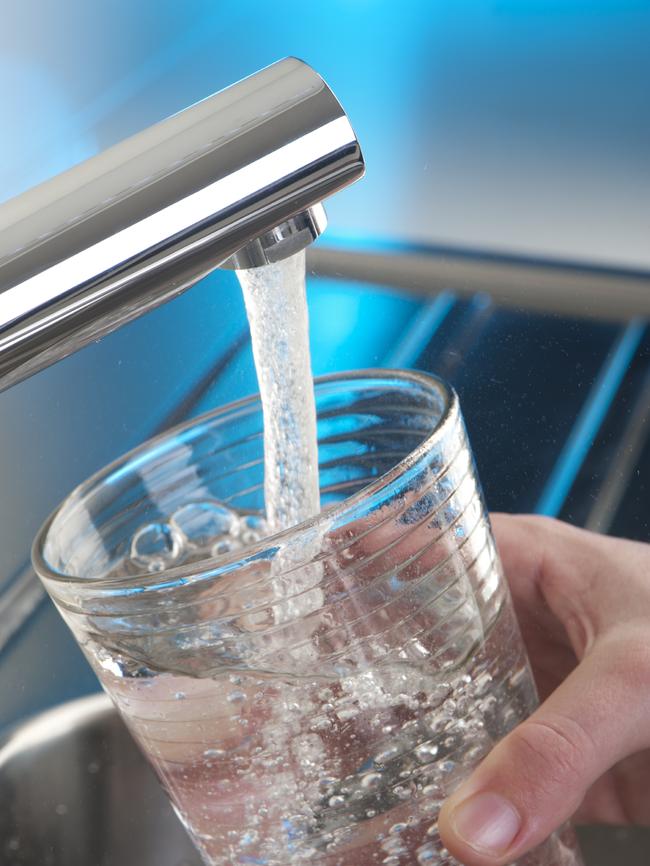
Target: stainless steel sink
[[75, 791]]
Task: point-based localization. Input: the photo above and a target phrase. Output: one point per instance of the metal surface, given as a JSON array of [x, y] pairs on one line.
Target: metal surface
[[561, 288], [284, 240], [124, 231], [18, 601], [624, 463], [75, 791]]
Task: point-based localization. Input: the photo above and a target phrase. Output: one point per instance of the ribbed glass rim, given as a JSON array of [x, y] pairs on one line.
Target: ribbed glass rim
[[212, 565]]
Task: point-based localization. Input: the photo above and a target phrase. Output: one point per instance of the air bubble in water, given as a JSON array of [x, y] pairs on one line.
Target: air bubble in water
[[122, 666], [385, 755], [252, 529], [248, 838], [347, 713], [156, 546], [225, 545], [427, 855], [371, 781], [202, 523], [236, 696], [426, 752]]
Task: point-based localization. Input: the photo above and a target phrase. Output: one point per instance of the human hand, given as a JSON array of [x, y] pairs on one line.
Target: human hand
[[583, 603]]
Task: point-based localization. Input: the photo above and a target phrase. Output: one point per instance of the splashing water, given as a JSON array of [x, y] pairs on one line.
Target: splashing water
[[276, 305]]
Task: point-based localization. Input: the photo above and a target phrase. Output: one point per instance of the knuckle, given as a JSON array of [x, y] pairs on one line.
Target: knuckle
[[557, 751], [543, 524], [628, 656]]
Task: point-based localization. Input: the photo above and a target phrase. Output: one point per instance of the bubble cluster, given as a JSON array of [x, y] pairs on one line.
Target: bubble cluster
[[344, 764], [195, 531]]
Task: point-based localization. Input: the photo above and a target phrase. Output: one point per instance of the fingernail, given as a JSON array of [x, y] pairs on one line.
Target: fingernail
[[486, 822]]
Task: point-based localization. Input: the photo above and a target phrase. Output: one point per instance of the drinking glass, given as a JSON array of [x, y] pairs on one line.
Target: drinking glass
[[310, 697]]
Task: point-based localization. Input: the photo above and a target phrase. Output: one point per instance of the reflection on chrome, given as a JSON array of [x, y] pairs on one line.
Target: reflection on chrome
[[239, 176]]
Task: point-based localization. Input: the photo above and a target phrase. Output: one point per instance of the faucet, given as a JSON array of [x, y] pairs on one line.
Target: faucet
[[236, 180]]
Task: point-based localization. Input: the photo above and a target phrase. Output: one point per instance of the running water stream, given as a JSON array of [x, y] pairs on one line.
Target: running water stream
[[276, 305]]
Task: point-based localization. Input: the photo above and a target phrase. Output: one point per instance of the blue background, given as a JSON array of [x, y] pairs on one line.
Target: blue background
[[520, 124]]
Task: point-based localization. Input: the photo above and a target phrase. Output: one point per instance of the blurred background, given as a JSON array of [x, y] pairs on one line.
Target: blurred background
[[497, 239]]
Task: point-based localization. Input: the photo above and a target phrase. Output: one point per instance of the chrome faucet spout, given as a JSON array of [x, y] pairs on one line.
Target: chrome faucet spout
[[284, 240], [235, 180]]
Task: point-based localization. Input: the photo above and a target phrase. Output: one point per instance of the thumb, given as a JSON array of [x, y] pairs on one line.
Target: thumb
[[537, 776]]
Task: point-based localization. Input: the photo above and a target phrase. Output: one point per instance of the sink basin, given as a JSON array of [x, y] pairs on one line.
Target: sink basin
[[75, 791]]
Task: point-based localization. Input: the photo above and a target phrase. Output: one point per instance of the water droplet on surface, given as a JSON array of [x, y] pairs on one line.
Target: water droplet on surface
[[156, 546], [336, 801], [214, 753]]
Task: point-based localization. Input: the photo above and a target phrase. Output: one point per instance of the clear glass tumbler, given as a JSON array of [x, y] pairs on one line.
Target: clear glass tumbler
[[310, 697]]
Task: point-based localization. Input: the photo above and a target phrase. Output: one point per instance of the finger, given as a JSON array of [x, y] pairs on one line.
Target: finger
[[524, 547], [536, 777], [527, 547], [588, 582]]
